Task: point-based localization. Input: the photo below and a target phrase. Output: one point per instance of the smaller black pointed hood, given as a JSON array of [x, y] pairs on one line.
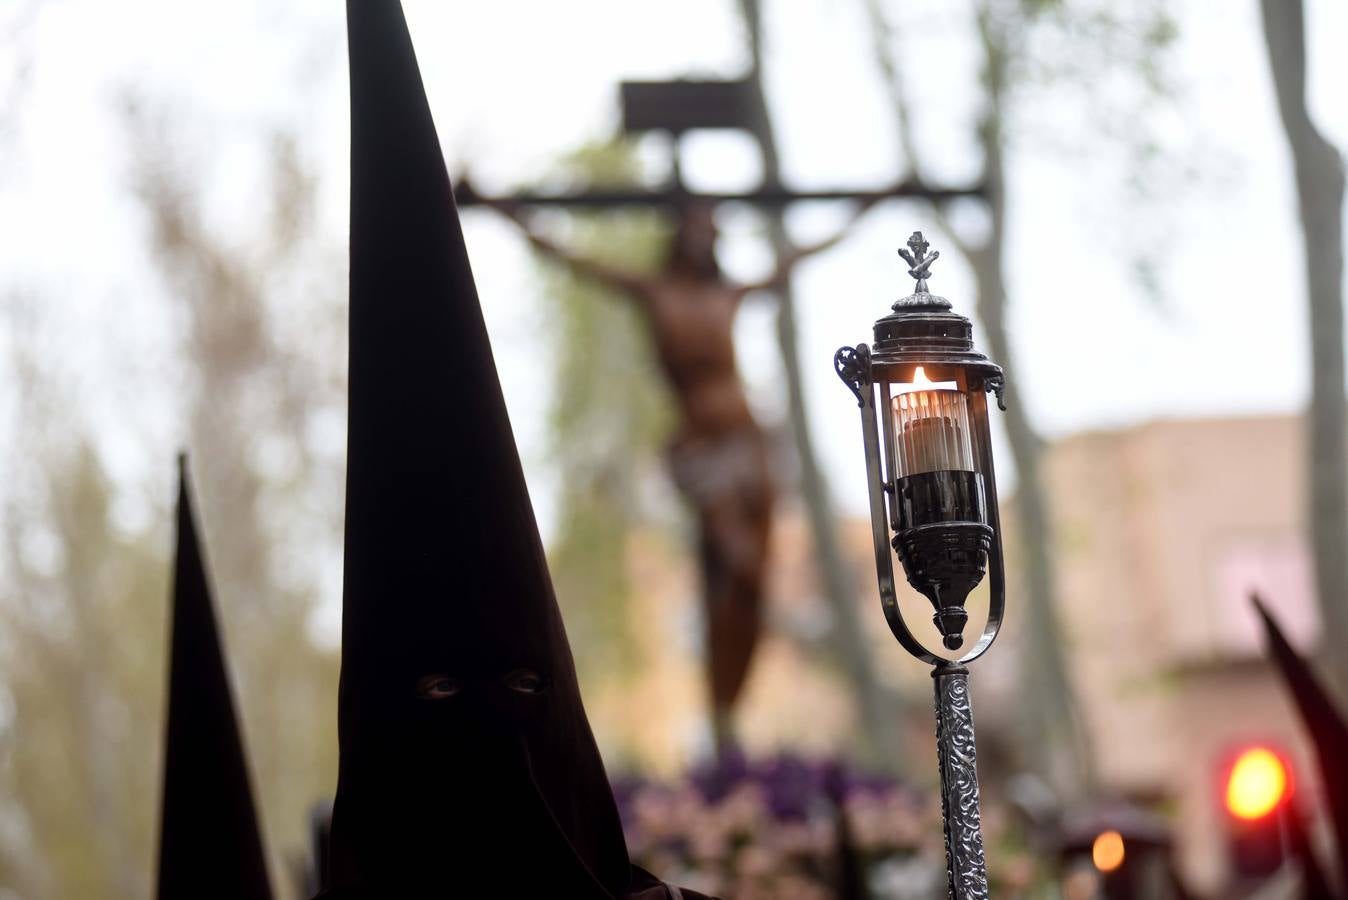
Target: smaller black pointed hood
[[1323, 721], [466, 756], [209, 844]]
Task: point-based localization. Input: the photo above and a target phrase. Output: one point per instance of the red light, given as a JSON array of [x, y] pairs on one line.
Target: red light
[[1258, 782]]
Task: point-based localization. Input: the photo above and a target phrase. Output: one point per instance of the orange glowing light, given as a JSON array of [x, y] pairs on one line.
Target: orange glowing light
[[1257, 784], [920, 377], [1107, 852]]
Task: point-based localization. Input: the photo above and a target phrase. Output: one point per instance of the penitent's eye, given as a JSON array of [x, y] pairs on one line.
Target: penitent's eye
[[525, 681], [438, 687]]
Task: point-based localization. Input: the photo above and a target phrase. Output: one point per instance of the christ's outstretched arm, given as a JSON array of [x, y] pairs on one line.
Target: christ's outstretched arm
[[787, 263], [630, 283]]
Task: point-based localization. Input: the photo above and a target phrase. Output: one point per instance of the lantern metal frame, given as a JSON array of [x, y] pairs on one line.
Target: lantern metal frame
[[923, 331]]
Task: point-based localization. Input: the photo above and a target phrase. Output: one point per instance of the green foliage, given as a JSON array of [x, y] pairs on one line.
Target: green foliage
[[84, 615], [608, 414], [84, 584]]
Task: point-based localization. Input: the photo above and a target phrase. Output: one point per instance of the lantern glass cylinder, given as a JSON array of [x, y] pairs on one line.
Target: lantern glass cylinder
[[930, 444], [931, 429]]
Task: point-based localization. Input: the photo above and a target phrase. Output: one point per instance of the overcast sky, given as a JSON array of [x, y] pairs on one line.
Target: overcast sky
[[514, 84]]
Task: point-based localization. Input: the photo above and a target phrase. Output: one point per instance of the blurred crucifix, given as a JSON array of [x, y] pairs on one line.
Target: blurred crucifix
[[719, 455]]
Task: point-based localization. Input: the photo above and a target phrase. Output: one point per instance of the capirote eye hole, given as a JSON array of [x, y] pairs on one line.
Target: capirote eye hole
[[438, 687], [525, 681]]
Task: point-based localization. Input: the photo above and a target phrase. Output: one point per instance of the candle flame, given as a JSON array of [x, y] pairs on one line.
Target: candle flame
[[920, 377]]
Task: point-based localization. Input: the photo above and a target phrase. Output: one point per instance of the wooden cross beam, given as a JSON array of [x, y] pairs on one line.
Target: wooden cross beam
[[684, 105], [768, 196]]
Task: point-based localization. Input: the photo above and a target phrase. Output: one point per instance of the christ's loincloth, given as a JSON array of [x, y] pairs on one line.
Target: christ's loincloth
[[732, 467], [727, 480]]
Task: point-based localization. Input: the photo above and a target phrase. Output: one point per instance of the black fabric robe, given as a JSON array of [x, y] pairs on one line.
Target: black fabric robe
[[209, 844], [1329, 735], [468, 768]]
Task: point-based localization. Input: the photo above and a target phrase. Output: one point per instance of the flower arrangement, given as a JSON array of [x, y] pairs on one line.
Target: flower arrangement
[[790, 828]]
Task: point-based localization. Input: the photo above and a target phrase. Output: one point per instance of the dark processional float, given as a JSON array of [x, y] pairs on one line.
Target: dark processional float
[[933, 502]]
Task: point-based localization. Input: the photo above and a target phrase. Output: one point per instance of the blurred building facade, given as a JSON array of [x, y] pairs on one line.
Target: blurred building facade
[[1162, 532]]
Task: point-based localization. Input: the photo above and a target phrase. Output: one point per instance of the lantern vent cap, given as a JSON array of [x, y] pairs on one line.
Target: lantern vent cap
[[919, 266]]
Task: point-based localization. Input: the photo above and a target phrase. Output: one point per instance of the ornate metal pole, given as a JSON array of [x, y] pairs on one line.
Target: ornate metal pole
[[933, 501], [966, 869]]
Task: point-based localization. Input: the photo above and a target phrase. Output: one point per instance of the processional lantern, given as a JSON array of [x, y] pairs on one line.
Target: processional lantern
[[922, 389]]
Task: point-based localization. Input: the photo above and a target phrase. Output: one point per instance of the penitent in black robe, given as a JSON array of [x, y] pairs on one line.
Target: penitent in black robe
[[468, 768], [1328, 731], [209, 844]]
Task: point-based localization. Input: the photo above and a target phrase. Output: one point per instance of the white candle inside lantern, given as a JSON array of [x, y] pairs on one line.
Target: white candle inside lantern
[[931, 427]]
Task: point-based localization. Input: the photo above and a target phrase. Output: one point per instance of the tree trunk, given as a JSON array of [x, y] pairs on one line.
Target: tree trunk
[[1320, 189], [879, 711], [1063, 745]]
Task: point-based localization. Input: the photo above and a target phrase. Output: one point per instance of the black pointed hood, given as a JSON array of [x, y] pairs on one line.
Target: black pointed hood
[[209, 845], [465, 751], [1323, 721]]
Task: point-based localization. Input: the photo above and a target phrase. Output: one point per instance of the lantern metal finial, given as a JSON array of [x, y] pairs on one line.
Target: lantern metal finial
[[918, 260], [919, 266]]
